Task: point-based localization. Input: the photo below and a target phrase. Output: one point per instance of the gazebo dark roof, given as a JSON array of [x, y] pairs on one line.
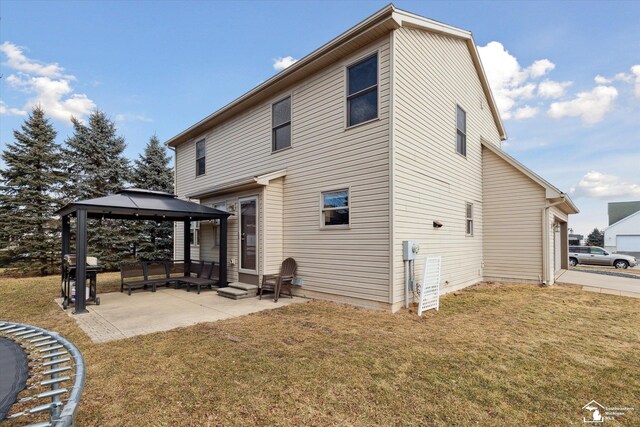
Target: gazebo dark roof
[[135, 203]]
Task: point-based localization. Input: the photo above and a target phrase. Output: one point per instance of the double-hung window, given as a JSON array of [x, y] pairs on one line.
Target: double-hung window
[[335, 208], [461, 131], [281, 124], [362, 91], [469, 219], [200, 157], [194, 233]]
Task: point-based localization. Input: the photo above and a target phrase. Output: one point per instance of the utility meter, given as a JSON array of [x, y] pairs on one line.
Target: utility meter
[[410, 249]]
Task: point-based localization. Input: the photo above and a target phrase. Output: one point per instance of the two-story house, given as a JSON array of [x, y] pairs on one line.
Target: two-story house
[[386, 133]]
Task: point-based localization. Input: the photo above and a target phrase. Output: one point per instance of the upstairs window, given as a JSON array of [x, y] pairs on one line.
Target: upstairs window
[[281, 124], [335, 208], [200, 157], [469, 219], [362, 91], [461, 126]]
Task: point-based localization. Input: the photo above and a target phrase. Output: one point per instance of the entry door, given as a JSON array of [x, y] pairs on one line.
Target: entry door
[[249, 235], [557, 248]]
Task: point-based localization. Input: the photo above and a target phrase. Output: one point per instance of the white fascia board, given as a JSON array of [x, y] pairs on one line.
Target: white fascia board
[[266, 178]]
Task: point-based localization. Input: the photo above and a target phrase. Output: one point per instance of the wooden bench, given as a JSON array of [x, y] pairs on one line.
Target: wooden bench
[[204, 273], [134, 276]]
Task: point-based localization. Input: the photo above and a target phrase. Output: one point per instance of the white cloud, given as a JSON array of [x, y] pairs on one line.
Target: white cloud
[[510, 83], [525, 112], [282, 63], [635, 70], [602, 186], [552, 89], [601, 80], [17, 61], [590, 106], [49, 87], [132, 118], [10, 111]]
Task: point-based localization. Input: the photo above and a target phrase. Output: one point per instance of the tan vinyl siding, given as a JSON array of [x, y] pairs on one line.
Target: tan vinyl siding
[[433, 74], [555, 216], [323, 156], [273, 220], [512, 226]]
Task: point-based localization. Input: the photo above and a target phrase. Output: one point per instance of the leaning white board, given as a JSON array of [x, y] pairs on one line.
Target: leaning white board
[[430, 287]]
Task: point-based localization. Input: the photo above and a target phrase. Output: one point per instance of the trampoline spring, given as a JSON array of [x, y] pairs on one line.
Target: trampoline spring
[[46, 337], [55, 381], [44, 395], [55, 370], [56, 361], [42, 424], [53, 347], [19, 334], [41, 344], [35, 334], [51, 355], [35, 410], [4, 328], [14, 329]]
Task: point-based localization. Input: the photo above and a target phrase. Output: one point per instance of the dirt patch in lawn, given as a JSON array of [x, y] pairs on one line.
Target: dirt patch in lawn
[[495, 354]]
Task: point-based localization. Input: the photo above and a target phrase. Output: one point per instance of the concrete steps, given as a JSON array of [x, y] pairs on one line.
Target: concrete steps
[[238, 290]]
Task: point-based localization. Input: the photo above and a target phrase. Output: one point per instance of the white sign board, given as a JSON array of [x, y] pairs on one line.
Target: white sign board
[[430, 286]]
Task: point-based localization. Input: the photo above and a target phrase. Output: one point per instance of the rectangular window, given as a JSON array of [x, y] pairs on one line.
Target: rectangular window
[[335, 208], [200, 158], [194, 233], [362, 91], [461, 131], [469, 219], [281, 124]]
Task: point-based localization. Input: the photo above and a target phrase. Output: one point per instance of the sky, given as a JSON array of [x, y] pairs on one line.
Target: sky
[[565, 75]]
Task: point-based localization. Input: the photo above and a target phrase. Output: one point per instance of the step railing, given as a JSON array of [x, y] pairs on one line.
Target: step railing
[[56, 375]]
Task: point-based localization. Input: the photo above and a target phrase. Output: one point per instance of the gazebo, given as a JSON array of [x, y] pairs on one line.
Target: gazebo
[[136, 205]]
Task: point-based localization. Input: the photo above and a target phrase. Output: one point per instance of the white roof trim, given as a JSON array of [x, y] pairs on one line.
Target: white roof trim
[[551, 191], [264, 179], [622, 220]]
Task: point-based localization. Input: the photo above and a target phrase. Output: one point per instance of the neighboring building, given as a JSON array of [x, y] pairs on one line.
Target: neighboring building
[[623, 233], [620, 210], [575, 239], [377, 137]]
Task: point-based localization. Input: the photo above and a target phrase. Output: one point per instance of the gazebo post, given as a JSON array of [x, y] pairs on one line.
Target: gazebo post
[[223, 252], [187, 247], [81, 261], [66, 239]]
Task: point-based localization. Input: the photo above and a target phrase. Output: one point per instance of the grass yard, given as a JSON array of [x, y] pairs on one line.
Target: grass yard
[[511, 355]]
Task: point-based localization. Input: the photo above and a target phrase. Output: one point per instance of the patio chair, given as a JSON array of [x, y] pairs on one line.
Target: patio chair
[[176, 270], [277, 282], [158, 271], [204, 273]]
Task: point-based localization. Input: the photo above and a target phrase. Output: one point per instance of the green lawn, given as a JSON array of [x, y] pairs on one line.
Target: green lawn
[[493, 355]]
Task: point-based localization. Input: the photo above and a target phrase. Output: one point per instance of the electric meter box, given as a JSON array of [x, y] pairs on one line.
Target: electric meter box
[[410, 249]]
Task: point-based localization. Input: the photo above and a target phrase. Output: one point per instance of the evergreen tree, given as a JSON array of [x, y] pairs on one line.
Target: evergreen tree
[[29, 195], [97, 167], [595, 238], [153, 172]]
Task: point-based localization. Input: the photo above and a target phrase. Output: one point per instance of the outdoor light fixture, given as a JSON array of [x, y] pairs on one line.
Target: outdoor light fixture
[[437, 224]]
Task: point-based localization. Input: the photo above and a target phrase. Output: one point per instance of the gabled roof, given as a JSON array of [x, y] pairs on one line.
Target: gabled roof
[[135, 203], [620, 210], [625, 219], [372, 28], [551, 191]]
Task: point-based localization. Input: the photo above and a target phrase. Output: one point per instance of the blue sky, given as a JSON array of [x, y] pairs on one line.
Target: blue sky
[[561, 71]]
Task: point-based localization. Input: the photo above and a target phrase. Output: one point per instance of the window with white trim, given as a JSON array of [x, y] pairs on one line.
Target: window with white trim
[[362, 91], [194, 233], [335, 208], [200, 157], [281, 124], [461, 131], [469, 219]]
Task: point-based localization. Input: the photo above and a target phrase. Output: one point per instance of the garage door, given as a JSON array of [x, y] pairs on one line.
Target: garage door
[[628, 243]]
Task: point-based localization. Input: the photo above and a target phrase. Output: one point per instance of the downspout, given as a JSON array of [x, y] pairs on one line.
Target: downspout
[[545, 238]]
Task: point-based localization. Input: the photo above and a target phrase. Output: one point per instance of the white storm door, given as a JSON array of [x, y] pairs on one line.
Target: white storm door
[[249, 235]]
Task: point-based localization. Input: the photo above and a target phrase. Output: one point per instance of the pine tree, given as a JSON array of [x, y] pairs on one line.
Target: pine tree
[[153, 172], [97, 167], [595, 238], [29, 195]]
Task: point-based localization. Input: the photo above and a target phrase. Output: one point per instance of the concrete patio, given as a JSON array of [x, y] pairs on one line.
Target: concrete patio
[[121, 316]]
